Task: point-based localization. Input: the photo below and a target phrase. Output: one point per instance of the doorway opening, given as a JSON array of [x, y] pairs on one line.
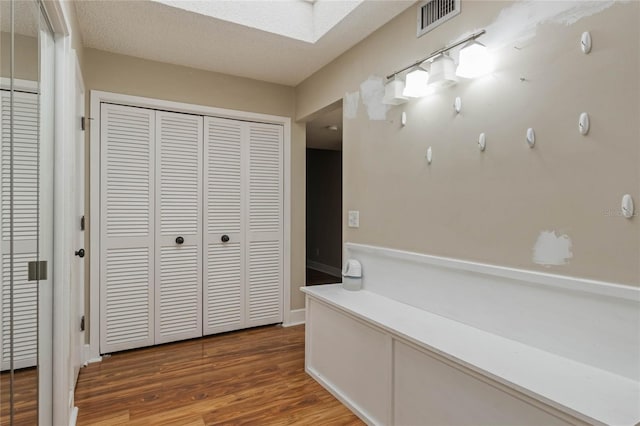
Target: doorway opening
[[324, 198]]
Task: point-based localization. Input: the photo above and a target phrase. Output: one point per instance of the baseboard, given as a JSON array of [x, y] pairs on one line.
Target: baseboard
[[87, 356], [74, 417], [327, 269], [296, 317]]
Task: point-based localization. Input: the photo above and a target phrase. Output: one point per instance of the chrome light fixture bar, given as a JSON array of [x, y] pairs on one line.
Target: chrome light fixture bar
[[437, 53]]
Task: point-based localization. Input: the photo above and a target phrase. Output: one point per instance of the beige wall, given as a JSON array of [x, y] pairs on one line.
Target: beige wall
[[25, 54], [134, 76], [492, 206]]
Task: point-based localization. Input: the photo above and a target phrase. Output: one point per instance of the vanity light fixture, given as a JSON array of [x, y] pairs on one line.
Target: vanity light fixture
[[443, 70], [393, 92], [474, 60], [416, 84]]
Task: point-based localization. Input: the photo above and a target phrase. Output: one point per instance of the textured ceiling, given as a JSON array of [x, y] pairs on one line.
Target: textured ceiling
[[319, 137], [159, 32]]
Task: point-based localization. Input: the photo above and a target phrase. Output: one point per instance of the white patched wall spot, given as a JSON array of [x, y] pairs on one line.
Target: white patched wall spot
[[551, 249], [350, 105], [372, 91]]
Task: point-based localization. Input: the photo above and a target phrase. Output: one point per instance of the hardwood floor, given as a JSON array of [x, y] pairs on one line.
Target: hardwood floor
[[25, 401], [253, 377]]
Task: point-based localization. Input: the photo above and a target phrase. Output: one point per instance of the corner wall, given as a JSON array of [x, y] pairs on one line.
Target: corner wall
[[552, 208]]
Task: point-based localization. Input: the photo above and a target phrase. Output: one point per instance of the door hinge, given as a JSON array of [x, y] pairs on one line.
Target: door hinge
[[82, 223], [37, 270], [82, 323]]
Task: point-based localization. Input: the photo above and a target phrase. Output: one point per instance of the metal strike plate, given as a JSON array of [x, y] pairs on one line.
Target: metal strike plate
[[37, 270]]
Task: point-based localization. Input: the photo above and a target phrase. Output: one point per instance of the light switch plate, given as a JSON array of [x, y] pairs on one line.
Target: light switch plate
[[354, 219]]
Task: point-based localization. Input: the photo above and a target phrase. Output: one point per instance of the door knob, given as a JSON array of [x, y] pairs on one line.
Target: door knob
[[179, 240], [80, 253], [224, 239]]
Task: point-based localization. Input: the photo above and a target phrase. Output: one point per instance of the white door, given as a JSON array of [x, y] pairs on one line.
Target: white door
[[127, 139], [224, 244], [77, 270], [264, 223], [25, 228], [178, 287]]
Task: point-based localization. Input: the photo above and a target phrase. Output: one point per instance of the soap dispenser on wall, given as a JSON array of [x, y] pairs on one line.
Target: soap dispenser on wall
[[352, 275]]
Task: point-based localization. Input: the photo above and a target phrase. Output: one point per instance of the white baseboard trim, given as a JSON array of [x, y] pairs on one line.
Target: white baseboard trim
[[340, 396], [74, 417], [88, 357], [327, 269], [296, 317]]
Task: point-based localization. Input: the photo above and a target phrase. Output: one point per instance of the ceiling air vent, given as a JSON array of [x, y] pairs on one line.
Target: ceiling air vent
[[432, 13]]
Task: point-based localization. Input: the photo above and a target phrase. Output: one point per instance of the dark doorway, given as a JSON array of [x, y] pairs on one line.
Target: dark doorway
[[324, 198]]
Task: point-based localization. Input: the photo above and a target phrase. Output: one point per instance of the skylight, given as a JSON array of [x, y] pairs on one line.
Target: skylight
[[304, 20]]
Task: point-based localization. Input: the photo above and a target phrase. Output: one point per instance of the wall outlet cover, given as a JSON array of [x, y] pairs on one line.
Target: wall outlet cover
[[354, 219]]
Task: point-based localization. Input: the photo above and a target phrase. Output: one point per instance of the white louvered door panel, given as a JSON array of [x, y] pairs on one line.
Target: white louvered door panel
[[264, 266], [127, 146], [25, 226], [178, 291], [224, 294]]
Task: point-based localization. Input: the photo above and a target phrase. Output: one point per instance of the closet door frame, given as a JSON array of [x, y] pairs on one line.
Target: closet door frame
[[98, 97]]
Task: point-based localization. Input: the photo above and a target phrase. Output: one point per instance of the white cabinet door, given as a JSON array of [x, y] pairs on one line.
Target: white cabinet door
[[191, 226], [264, 266], [178, 291], [25, 226], [224, 296], [243, 219], [127, 227]]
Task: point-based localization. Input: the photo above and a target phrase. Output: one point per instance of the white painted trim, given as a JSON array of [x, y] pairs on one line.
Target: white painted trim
[[48, 92], [327, 269], [74, 417], [63, 243], [286, 308], [152, 103], [94, 230], [558, 281], [57, 17], [296, 317], [97, 97], [79, 103], [19, 85], [86, 356]]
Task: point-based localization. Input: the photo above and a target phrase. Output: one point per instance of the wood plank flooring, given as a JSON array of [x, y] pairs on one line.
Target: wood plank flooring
[[25, 401], [252, 377]]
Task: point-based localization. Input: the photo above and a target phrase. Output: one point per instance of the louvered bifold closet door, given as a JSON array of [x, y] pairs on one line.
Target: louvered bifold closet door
[[264, 266], [178, 293], [224, 294], [127, 227], [25, 225]]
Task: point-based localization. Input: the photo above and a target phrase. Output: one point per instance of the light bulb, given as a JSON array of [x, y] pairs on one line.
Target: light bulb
[[442, 72], [416, 83], [393, 93], [475, 61]]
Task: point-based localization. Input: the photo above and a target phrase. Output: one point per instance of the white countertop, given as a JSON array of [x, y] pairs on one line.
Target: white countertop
[[586, 392]]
